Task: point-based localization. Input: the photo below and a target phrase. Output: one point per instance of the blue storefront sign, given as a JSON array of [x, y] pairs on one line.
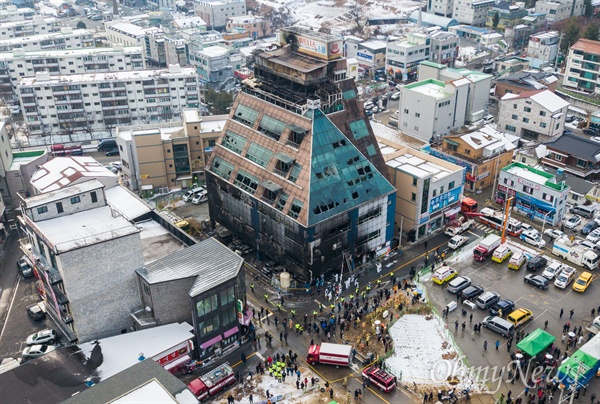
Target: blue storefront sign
[[444, 199], [364, 56]]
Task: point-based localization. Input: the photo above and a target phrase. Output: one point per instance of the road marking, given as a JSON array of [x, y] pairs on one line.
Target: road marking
[[247, 357], [12, 301], [377, 394]]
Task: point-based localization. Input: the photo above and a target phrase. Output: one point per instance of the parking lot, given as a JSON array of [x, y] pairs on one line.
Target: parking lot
[[546, 305]]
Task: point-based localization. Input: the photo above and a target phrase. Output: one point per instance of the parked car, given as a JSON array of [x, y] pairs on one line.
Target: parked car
[[594, 236], [565, 277], [536, 263], [471, 292], [586, 243], [529, 228], [573, 222], [537, 281], [589, 227], [458, 284], [533, 239], [42, 337], [35, 351], [554, 234], [583, 282], [590, 132], [552, 270], [25, 268], [112, 152], [503, 307], [37, 311]]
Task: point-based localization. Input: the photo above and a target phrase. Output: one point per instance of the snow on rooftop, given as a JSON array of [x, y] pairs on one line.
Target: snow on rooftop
[[126, 203], [214, 51], [549, 100], [528, 175], [63, 53], [149, 393], [430, 89], [128, 28], [122, 351], [45, 37]]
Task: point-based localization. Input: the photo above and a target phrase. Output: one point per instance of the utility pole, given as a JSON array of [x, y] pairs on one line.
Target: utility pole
[[558, 53]]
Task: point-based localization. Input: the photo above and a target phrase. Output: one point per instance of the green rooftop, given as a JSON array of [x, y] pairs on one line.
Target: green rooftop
[[432, 64]]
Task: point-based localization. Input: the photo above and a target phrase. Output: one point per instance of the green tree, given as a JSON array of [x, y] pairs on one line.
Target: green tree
[[570, 35], [219, 101], [591, 32], [81, 25], [495, 20], [588, 8], [530, 3]]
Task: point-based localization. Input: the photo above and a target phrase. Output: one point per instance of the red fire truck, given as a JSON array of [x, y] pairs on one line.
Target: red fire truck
[[213, 382]]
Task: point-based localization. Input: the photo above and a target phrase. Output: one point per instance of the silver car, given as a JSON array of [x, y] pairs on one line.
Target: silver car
[[458, 284]]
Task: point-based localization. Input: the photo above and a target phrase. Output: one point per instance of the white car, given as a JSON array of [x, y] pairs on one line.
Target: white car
[[552, 270], [533, 239], [42, 337], [594, 236], [199, 198], [35, 351], [586, 243], [529, 228], [565, 277], [554, 234], [456, 241], [573, 222]]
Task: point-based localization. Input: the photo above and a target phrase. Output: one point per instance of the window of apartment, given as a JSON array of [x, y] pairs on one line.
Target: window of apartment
[[246, 181], [417, 115], [527, 190], [42, 209], [413, 197], [295, 209], [514, 106], [233, 141], [59, 207], [527, 109], [258, 154], [94, 196], [557, 157], [434, 193], [526, 120], [441, 190], [548, 197], [405, 111], [515, 117], [510, 128], [227, 296], [542, 113], [415, 181], [281, 201], [581, 163], [75, 199], [451, 185]]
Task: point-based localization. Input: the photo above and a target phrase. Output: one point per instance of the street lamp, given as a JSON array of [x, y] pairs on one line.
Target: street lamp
[[544, 224]]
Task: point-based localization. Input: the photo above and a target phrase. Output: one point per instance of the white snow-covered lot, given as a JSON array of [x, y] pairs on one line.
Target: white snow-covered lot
[[424, 354]]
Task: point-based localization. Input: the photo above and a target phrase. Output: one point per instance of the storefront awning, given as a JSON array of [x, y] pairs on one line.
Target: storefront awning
[[177, 362], [229, 333], [452, 211], [211, 342]]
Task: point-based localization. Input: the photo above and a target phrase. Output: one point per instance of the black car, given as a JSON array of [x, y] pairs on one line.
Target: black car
[[24, 267], [113, 152], [589, 227], [507, 306], [471, 292], [36, 312], [537, 263], [537, 281], [590, 131]]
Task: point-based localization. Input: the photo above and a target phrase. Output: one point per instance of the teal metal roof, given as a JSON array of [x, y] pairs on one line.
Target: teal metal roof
[[341, 177]]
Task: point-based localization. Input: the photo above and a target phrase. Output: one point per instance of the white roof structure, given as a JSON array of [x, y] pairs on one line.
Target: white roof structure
[[64, 171], [527, 174], [126, 203], [60, 193], [123, 351], [45, 37], [489, 138], [373, 45], [21, 54], [127, 28], [546, 98], [214, 51]]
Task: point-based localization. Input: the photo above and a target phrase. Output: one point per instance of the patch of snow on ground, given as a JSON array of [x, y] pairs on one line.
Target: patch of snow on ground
[[467, 53], [428, 359]]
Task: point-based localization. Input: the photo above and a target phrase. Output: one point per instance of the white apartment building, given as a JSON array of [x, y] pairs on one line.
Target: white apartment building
[[543, 46], [39, 25], [404, 56], [67, 38], [472, 12], [12, 13], [558, 10], [440, 7], [215, 65], [128, 34], [583, 65], [99, 102], [444, 47], [216, 13], [430, 109], [19, 63], [536, 115]]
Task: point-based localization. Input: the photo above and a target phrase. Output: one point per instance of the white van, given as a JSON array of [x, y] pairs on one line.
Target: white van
[[582, 210], [189, 195]]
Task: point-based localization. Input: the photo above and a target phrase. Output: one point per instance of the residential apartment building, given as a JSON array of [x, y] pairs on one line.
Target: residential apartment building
[[430, 109], [216, 12], [483, 153], [525, 81], [444, 48], [101, 102], [128, 34], [442, 8], [168, 155], [472, 12], [215, 65], [543, 46], [255, 27], [509, 15], [404, 56], [479, 88], [371, 57], [428, 189], [536, 193], [65, 232], [39, 25], [297, 171], [575, 155], [67, 38], [558, 10], [534, 115], [12, 13], [583, 66], [19, 63]]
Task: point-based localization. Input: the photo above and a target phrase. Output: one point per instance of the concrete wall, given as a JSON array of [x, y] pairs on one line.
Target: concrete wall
[[85, 203], [554, 126], [169, 301], [100, 283]]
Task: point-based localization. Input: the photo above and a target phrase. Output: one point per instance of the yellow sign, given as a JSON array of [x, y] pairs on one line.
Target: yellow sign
[[145, 176]]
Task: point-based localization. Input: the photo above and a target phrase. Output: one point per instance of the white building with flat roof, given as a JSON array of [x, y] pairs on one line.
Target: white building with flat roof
[[39, 25], [403, 56], [216, 13], [67, 38], [20, 63], [472, 12], [99, 102], [12, 13]]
